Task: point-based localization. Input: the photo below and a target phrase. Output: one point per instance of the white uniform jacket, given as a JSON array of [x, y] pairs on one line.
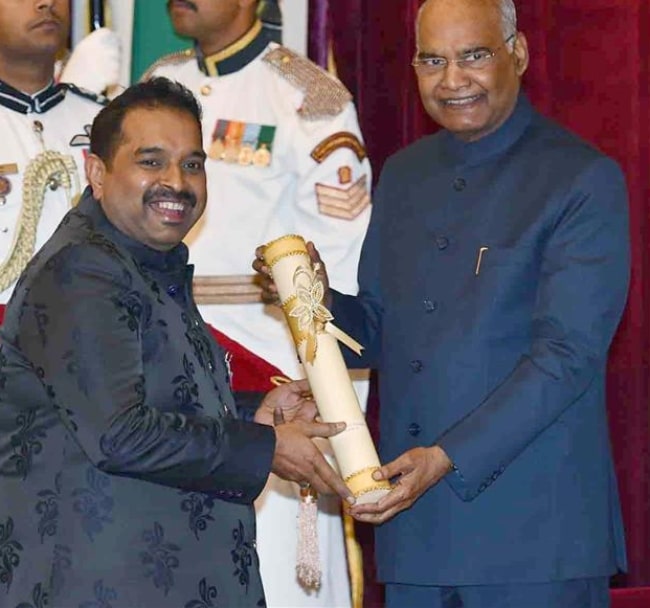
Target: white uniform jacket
[[286, 156], [44, 140]]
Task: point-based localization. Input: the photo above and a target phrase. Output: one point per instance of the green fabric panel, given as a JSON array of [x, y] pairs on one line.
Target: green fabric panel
[[153, 36]]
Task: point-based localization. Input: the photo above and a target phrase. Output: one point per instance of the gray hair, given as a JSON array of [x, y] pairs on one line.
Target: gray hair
[[508, 17]]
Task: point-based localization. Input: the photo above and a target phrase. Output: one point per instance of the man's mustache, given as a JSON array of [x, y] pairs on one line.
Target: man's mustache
[[186, 3], [158, 194]]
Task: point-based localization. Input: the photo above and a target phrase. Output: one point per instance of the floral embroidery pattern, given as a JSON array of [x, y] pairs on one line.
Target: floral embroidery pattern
[[152, 283], [3, 376], [66, 414], [42, 319], [61, 562], [309, 309], [155, 342], [306, 307], [39, 598], [103, 596], [135, 308], [242, 556], [25, 443], [9, 557], [199, 342], [110, 443], [160, 560], [77, 365], [48, 509], [207, 594], [93, 503], [199, 506], [187, 390], [107, 246]]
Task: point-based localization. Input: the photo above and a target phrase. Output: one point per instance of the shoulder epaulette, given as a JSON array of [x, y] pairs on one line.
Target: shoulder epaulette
[[324, 95], [87, 94], [171, 59]]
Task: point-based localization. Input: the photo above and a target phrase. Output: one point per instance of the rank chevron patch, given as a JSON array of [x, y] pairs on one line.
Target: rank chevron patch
[[343, 203], [81, 139]]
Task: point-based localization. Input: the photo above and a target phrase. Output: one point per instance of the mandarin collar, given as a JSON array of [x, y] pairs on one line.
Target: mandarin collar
[[469, 153], [38, 103], [235, 56], [164, 261]]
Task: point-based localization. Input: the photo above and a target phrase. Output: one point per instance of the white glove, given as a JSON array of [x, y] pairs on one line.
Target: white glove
[[94, 64]]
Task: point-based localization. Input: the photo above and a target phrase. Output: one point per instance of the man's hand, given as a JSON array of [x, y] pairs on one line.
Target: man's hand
[[413, 473], [293, 399], [297, 458], [270, 291]]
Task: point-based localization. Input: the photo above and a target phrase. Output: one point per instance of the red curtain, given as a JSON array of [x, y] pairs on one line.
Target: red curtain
[[590, 71]]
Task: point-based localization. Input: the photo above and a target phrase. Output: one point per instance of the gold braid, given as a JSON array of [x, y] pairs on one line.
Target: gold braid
[[48, 170]]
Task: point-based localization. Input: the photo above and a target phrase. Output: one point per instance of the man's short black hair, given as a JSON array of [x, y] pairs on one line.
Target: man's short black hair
[[106, 132]]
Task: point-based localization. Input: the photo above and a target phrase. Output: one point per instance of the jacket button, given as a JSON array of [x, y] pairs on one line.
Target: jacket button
[[430, 305], [442, 242], [416, 366], [459, 184], [414, 429], [172, 290]]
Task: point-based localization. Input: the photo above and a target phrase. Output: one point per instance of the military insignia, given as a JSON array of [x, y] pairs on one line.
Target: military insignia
[[81, 139], [343, 203], [246, 155], [5, 182], [249, 144], [5, 189], [324, 95], [242, 143], [172, 59], [262, 156], [233, 140], [217, 147], [345, 174], [336, 141], [9, 169], [86, 94]]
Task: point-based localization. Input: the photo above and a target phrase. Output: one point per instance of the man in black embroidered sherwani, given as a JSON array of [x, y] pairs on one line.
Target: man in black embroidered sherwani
[[127, 470]]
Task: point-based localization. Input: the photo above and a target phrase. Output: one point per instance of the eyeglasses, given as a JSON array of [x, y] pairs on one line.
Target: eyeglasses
[[474, 60]]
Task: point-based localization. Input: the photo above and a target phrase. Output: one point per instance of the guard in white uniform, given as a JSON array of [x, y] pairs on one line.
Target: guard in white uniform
[[44, 135], [285, 156]]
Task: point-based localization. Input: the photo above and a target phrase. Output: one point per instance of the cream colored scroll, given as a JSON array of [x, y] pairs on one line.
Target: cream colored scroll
[[315, 337]]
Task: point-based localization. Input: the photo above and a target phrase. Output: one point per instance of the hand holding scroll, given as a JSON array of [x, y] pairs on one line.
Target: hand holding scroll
[[413, 472], [294, 399], [297, 458], [269, 288]]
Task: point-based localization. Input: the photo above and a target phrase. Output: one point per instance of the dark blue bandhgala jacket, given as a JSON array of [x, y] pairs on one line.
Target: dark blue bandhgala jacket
[[492, 280]]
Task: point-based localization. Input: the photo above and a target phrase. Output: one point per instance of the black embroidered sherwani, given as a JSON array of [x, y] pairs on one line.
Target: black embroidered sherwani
[[126, 477]]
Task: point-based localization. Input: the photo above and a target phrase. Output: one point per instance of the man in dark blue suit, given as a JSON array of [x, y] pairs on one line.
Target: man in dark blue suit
[[493, 276]]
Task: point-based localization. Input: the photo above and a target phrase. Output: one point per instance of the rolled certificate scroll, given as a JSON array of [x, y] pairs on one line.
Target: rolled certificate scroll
[[315, 338]]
